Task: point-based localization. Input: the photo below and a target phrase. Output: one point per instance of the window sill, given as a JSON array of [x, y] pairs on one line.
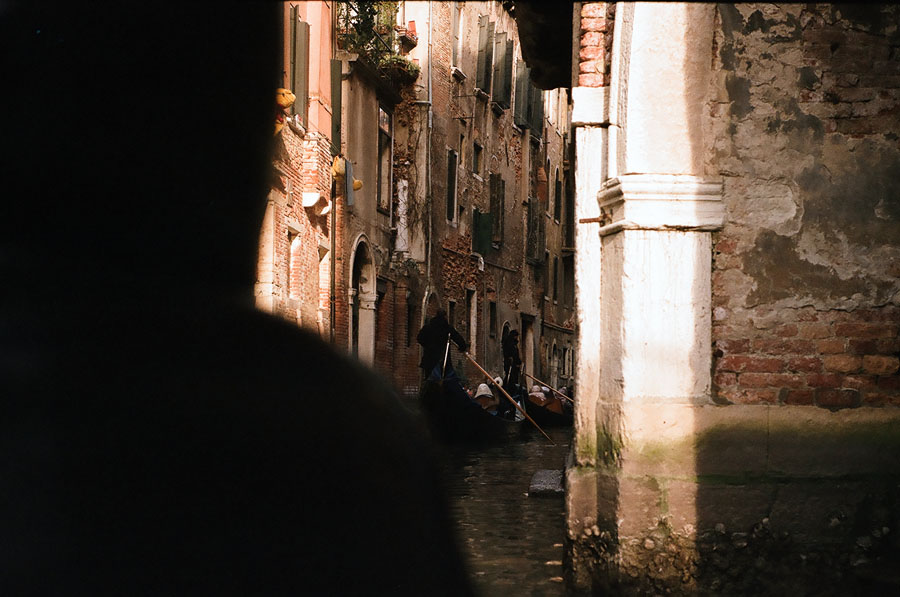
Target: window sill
[[457, 74], [477, 177], [482, 94]]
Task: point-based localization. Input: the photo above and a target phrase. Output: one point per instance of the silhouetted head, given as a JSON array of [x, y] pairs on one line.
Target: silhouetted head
[[440, 315], [136, 146]]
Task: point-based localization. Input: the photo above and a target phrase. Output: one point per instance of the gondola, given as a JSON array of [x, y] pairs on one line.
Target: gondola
[[548, 412], [456, 418]]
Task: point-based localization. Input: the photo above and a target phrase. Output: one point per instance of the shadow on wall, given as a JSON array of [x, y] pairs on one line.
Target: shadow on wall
[[795, 499], [159, 434]]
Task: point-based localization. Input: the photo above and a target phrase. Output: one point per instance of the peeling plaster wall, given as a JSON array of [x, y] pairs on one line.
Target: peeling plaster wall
[[804, 127]]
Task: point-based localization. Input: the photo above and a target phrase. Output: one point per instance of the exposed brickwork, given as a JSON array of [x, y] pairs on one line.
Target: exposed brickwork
[[595, 54], [805, 281], [296, 232], [854, 363]]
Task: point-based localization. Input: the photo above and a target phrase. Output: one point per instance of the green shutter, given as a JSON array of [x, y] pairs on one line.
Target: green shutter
[[482, 48], [506, 92], [485, 54], [536, 113], [523, 95], [336, 68], [497, 76], [481, 232], [452, 163], [300, 66]]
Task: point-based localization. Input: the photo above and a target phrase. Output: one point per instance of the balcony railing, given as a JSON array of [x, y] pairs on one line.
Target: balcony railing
[[368, 29]]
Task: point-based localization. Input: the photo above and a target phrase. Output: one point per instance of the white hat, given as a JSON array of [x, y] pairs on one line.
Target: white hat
[[545, 389], [483, 390], [535, 390], [499, 381]]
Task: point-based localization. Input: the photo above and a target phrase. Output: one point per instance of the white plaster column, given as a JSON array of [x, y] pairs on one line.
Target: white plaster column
[[264, 289], [646, 209], [367, 303]]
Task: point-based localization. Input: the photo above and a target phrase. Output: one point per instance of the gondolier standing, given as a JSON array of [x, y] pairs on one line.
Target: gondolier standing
[[511, 359], [512, 362], [434, 337]]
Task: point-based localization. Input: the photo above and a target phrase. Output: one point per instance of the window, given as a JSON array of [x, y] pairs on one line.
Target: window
[[529, 102], [476, 158], [295, 272], [451, 312], [570, 214], [547, 274], [547, 178], [299, 63], [557, 197], [492, 319], [555, 279], [385, 147], [452, 162], [534, 245], [481, 231], [498, 194], [569, 281], [485, 54]]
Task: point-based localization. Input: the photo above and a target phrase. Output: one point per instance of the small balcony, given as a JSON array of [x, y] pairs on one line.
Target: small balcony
[[370, 30]]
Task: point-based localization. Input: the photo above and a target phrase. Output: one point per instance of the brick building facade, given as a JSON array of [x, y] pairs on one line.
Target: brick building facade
[[490, 240]]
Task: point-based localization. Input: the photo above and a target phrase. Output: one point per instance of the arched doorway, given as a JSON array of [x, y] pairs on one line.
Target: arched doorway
[[362, 298]]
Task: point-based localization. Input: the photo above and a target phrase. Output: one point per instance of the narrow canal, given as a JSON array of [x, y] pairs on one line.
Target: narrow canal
[[513, 542]]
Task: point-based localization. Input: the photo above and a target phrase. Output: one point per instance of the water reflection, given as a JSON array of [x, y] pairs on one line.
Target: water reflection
[[513, 543]]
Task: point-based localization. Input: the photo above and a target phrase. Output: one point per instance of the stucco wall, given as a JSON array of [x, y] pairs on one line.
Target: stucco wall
[[803, 124]]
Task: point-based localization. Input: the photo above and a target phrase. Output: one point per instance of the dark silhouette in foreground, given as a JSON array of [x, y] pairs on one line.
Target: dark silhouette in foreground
[[158, 434]]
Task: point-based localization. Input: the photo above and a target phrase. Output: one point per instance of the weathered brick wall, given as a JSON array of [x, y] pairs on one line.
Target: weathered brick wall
[[595, 45], [805, 281], [296, 285]]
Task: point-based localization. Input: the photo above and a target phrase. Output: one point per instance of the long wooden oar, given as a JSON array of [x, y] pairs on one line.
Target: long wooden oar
[[508, 397], [549, 386], [446, 352]]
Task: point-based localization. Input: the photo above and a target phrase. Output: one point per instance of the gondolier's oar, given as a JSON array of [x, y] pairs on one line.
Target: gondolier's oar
[[446, 352], [549, 386], [508, 397]]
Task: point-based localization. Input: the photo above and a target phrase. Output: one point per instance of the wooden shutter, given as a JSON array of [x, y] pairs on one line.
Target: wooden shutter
[[496, 77], [485, 54], [523, 95], [506, 92], [481, 232], [452, 162], [299, 63], [536, 112], [336, 105], [502, 74]]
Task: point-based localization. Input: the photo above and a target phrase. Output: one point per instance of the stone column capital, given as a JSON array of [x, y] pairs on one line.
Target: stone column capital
[[661, 202]]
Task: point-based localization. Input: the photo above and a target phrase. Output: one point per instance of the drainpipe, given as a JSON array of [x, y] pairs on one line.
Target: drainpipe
[[428, 160]]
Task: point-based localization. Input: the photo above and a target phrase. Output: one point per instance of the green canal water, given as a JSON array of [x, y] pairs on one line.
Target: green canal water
[[513, 542]]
